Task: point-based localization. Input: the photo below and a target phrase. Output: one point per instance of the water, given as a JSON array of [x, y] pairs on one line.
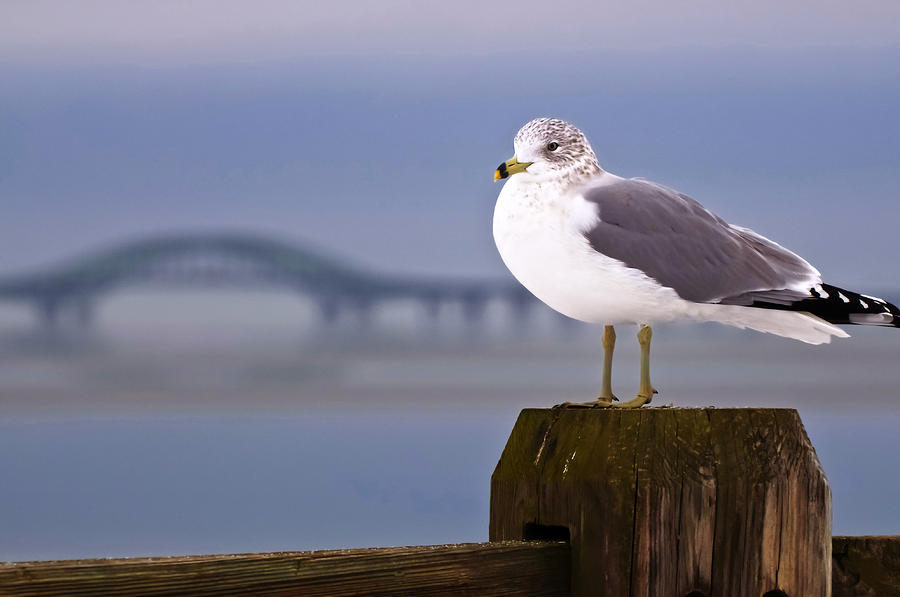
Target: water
[[212, 485], [172, 437]]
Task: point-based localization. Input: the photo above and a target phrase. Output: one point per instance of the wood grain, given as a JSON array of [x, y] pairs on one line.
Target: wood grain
[[671, 501], [491, 569], [866, 566]]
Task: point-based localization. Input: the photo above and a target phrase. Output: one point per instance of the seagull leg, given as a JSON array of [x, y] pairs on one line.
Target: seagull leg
[[646, 390], [607, 399], [609, 345]]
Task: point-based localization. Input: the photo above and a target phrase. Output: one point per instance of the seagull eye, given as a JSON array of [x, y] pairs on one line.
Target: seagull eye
[[553, 146]]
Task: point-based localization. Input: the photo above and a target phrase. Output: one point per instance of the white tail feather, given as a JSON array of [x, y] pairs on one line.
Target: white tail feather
[[788, 324]]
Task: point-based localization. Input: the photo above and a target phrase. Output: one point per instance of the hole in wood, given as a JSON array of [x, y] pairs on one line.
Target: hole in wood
[[775, 593], [541, 532], [696, 594]]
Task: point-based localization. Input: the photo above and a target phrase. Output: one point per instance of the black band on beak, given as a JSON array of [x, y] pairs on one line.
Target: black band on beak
[[501, 171]]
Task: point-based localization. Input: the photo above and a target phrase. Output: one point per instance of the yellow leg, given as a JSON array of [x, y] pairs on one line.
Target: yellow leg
[[607, 399], [609, 345], [646, 389]]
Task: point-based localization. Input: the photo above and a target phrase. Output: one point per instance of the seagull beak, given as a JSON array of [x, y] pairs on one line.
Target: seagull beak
[[510, 167]]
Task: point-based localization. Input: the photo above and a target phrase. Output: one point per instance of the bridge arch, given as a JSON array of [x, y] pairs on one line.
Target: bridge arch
[[235, 260]]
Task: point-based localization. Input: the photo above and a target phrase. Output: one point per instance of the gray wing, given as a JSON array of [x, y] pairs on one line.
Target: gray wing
[[677, 242]]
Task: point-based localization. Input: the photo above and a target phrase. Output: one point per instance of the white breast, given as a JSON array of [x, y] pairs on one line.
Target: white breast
[[538, 229]]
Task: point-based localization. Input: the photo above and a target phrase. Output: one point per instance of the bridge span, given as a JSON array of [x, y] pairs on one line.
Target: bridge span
[[74, 287]]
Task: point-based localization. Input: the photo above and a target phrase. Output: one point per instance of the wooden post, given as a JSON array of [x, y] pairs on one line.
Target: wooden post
[[866, 566], [670, 502]]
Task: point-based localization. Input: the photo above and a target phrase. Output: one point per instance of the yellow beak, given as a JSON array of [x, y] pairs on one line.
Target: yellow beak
[[510, 167]]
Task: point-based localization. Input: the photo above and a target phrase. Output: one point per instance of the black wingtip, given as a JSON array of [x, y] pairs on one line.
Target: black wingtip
[[839, 306]]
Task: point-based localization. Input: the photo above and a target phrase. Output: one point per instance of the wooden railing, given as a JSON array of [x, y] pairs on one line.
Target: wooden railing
[[862, 566], [508, 568]]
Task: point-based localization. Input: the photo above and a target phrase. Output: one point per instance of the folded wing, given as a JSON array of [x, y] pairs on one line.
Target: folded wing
[[680, 244]]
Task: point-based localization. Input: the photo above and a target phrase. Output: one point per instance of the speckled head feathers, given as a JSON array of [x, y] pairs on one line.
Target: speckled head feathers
[[555, 146]]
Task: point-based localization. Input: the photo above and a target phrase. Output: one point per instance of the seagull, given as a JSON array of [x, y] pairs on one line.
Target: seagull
[[600, 248]]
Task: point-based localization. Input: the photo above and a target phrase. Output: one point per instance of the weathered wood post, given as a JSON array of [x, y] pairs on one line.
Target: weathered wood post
[[670, 502]]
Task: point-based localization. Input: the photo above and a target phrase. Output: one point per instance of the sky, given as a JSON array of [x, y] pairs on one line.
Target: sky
[[372, 130], [213, 30]]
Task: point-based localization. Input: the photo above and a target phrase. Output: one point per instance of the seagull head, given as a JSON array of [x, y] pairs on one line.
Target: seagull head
[[548, 148]]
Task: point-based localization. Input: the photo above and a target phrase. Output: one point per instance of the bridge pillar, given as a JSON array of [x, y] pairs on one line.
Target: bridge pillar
[[432, 306], [520, 304], [329, 310], [84, 312], [364, 308], [48, 312], [473, 310]]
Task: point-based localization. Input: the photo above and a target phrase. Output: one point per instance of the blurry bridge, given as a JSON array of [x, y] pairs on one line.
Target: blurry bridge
[[247, 261]]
